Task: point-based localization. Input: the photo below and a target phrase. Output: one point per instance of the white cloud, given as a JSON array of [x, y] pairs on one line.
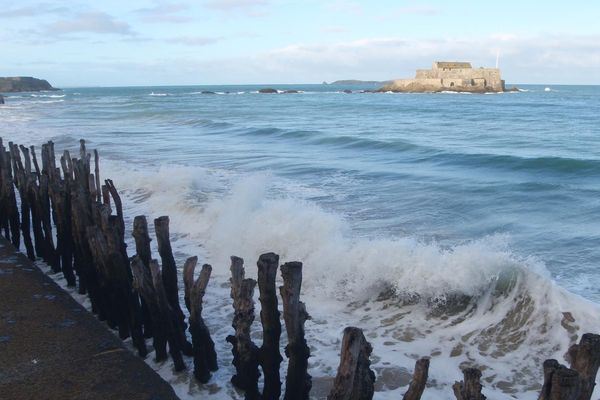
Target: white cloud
[[32, 11], [165, 12], [346, 6], [334, 29], [91, 22], [194, 40], [417, 9], [543, 59], [225, 5]]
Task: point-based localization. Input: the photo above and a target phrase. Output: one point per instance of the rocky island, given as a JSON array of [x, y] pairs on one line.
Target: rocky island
[[450, 76], [24, 84]]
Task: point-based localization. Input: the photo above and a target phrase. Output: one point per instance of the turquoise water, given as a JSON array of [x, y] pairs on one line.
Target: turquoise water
[[432, 194]]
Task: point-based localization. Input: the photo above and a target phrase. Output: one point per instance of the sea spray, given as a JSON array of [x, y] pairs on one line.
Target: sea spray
[[473, 304]]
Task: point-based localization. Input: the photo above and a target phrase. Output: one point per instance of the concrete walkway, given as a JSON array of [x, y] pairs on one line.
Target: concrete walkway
[[52, 348]]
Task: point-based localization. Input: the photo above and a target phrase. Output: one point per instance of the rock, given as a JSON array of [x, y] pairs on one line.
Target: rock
[[1, 99], [24, 84], [207, 92], [268, 90], [291, 91], [347, 91], [359, 82]]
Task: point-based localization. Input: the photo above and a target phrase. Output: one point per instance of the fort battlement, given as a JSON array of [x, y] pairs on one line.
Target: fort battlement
[[451, 76]]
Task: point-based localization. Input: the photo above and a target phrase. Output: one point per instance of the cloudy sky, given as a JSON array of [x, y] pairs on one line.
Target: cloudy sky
[[156, 42]]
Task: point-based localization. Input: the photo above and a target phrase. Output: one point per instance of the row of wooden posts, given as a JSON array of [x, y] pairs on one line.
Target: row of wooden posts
[[140, 298]]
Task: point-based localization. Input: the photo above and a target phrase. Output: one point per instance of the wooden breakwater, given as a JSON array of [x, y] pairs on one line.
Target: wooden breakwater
[[65, 215]]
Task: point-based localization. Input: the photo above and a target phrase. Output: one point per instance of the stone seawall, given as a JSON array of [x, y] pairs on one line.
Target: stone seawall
[[52, 348]]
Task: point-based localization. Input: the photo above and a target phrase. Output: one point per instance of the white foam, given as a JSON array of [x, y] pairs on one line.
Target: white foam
[[474, 304], [48, 95]]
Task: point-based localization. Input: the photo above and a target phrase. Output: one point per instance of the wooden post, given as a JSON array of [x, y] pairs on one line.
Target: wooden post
[[188, 280], [166, 316], [205, 357], [550, 366], [417, 385], [4, 224], [81, 218], [566, 384], [10, 200], [245, 352], [469, 388], [21, 183], [269, 355], [169, 269], [51, 251], [97, 175], [354, 379], [142, 239], [142, 248], [585, 359], [31, 190], [142, 282], [298, 382], [59, 193]]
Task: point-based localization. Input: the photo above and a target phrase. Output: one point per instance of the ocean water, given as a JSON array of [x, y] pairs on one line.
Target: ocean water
[[461, 227]]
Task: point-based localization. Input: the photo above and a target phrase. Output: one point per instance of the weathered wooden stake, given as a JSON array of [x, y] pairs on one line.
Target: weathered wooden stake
[[585, 359], [417, 385], [470, 387], [549, 367], [298, 382], [142, 248], [188, 280], [97, 176], [166, 316], [354, 379], [21, 184], [245, 352], [205, 357], [169, 269], [269, 355], [142, 282], [566, 384], [9, 198]]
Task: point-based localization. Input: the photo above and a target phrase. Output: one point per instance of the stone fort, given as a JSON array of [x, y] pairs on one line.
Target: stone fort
[[452, 76]]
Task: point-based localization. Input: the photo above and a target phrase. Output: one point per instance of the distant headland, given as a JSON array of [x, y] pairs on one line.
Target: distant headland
[[450, 76], [24, 84]]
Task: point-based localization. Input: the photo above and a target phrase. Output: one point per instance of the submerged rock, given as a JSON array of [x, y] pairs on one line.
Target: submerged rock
[[207, 92], [347, 91], [291, 91], [1, 99], [268, 90]]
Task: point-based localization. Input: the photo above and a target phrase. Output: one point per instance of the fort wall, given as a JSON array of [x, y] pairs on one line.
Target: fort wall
[[458, 76]]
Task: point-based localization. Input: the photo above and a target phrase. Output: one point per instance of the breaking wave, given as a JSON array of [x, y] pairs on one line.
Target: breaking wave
[[476, 303]]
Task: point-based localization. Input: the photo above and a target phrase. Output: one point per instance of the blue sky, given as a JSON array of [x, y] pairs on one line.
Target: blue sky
[[134, 42]]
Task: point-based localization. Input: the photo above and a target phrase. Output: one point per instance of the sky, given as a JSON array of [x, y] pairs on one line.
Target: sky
[[156, 42]]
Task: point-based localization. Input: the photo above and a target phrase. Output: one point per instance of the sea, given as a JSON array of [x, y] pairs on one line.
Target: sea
[[460, 227]]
